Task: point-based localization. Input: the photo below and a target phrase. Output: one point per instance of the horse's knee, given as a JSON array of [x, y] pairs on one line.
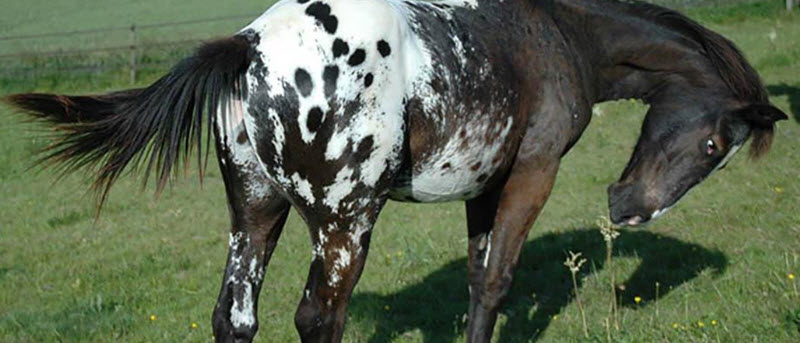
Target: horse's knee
[[496, 290]]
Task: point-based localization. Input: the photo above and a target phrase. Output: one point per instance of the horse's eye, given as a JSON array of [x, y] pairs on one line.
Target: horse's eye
[[711, 147]]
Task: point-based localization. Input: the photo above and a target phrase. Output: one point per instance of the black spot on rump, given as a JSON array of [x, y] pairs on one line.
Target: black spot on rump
[[340, 48], [384, 48], [322, 13], [314, 119], [357, 57], [318, 10], [302, 1], [303, 82], [330, 76], [330, 24], [368, 80], [365, 148]]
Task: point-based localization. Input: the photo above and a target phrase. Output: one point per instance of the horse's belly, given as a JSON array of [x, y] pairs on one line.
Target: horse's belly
[[458, 169], [438, 187]]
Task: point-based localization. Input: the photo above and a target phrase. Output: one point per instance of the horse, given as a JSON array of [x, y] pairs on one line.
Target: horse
[[334, 107]]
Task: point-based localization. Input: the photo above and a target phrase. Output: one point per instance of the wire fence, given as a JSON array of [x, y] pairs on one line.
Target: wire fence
[[135, 52]]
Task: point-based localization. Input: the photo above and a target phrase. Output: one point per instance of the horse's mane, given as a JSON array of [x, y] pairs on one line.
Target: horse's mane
[[732, 67], [729, 62]]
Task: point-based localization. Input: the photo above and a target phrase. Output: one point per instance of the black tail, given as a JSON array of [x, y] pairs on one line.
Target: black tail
[[161, 123]]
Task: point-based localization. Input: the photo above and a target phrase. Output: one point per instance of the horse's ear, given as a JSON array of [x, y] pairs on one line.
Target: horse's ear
[[762, 116]]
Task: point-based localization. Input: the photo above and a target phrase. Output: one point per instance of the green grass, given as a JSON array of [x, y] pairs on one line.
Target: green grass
[[723, 254]]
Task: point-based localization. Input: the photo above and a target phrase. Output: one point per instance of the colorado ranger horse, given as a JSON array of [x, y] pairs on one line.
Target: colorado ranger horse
[[335, 106]]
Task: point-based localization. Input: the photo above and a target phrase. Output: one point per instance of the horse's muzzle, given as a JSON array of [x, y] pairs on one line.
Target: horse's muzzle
[[625, 208]]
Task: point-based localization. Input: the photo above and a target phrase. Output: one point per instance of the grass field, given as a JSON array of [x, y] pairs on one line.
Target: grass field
[[715, 269]]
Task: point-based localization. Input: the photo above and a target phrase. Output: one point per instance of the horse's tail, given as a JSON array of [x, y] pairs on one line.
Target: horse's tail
[[161, 123]]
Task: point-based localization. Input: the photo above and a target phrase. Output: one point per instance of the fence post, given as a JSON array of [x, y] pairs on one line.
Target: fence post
[[133, 54]]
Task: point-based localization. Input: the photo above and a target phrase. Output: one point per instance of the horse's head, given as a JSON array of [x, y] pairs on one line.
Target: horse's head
[[680, 145], [705, 100]]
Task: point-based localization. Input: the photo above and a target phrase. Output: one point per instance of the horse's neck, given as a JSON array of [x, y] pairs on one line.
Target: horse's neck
[[627, 55]]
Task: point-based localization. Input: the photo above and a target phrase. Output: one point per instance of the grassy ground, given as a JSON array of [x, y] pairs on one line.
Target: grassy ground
[[147, 269]]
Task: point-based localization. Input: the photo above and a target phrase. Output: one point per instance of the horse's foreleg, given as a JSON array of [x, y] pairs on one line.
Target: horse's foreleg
[[498, 223], [340, 250]]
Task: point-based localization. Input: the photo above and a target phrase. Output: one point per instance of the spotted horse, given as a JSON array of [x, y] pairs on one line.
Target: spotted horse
[[333, 107]]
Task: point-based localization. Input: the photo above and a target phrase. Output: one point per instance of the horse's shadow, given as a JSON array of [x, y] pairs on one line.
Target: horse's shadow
[[436, 305], [793, 92]]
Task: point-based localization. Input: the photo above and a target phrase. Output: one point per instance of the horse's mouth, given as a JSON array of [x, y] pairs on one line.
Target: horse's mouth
[[632, 221], [639, 220]]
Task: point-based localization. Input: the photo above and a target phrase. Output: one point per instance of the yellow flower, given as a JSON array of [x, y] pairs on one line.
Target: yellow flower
[[637, 300], [555, 317], [194, 326], [700, 324], [778, 190], [674, 325], [153, 317], [790, 276], [714, 322], [387, 307]]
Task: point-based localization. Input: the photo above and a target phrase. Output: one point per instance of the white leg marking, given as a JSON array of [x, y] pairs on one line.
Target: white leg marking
[[242, 314], [488, 250]]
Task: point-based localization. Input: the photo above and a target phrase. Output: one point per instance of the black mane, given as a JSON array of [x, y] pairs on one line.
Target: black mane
[[729, 62]]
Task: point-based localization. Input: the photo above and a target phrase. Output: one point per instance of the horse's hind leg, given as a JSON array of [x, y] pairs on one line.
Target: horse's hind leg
[[340, 251], [258, 214]]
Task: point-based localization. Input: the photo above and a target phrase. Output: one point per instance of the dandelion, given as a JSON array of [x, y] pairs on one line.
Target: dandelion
[[790, 276], [700, 324], [637, 300], [194, 325], [387, 307], [674, 325], [778, 190], [153, 317], [555, 317], [714, 322], [574, 262]]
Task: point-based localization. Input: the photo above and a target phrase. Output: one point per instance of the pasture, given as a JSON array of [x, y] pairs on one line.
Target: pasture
[[720, 267]]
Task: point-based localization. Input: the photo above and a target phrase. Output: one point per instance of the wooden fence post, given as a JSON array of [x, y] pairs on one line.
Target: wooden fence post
[[133, 54]]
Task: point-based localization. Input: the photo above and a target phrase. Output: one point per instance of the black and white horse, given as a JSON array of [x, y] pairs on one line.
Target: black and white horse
[[333, 107]]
